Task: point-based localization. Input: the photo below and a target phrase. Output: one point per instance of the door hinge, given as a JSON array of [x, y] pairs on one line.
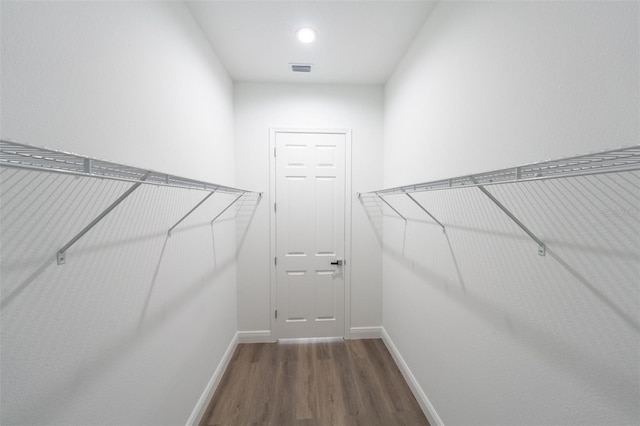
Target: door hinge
[[275, 210], [275, 260], [274, 152], [276, 314]]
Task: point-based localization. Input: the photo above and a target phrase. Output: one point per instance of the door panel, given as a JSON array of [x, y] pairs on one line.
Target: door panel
[[310, 224]]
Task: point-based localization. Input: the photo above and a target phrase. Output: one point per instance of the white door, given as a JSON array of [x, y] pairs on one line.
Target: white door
[[310, 234]]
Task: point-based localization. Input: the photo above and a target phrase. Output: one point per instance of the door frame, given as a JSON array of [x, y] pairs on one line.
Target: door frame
[[347, 223]]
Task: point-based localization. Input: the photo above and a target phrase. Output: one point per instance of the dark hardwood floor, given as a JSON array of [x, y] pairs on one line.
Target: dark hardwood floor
[[326, 382]]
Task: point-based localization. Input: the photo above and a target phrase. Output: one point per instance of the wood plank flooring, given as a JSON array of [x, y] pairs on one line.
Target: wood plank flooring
[[317, 382]]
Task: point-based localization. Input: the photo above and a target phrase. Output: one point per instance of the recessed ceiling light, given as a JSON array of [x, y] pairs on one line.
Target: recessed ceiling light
[[306, 35]]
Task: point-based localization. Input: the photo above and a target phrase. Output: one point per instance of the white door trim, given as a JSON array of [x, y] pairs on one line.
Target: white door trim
[[347, 223]]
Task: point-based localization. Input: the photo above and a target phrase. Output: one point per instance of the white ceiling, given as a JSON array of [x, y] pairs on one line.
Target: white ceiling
[[359, 42]]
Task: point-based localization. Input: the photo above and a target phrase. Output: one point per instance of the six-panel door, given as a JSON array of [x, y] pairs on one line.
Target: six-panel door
[[310, 224]]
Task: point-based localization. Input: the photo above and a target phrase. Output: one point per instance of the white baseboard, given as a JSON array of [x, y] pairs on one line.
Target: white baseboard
[[203, 403], [255, 336], [365, 332], [419, 394]]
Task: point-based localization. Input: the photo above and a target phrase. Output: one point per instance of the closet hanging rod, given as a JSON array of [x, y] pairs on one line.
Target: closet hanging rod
[[29, 157], [611, 161]]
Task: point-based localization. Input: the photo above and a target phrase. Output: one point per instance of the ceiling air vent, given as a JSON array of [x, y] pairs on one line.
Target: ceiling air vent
[[301, 67]]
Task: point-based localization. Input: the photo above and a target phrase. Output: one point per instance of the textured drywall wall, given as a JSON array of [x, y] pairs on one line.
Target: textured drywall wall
[[131, 329], [494, 333]]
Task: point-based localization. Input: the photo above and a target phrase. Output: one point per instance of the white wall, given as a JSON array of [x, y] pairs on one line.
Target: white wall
[[494, 333], [260, 107], [130, 330]]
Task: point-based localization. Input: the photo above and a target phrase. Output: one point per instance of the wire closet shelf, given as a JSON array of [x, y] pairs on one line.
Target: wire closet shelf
[[612, 161], [29, 157], [23, 156]]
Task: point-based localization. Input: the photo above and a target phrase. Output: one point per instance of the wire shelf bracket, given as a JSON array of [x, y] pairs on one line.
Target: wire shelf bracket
[[426, 211], [61, 256], [190, 211], [392, 208], [34, 158], [542, 248], [229, 206]]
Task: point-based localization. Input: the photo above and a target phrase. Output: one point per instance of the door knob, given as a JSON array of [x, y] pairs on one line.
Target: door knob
[[337, 262]]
